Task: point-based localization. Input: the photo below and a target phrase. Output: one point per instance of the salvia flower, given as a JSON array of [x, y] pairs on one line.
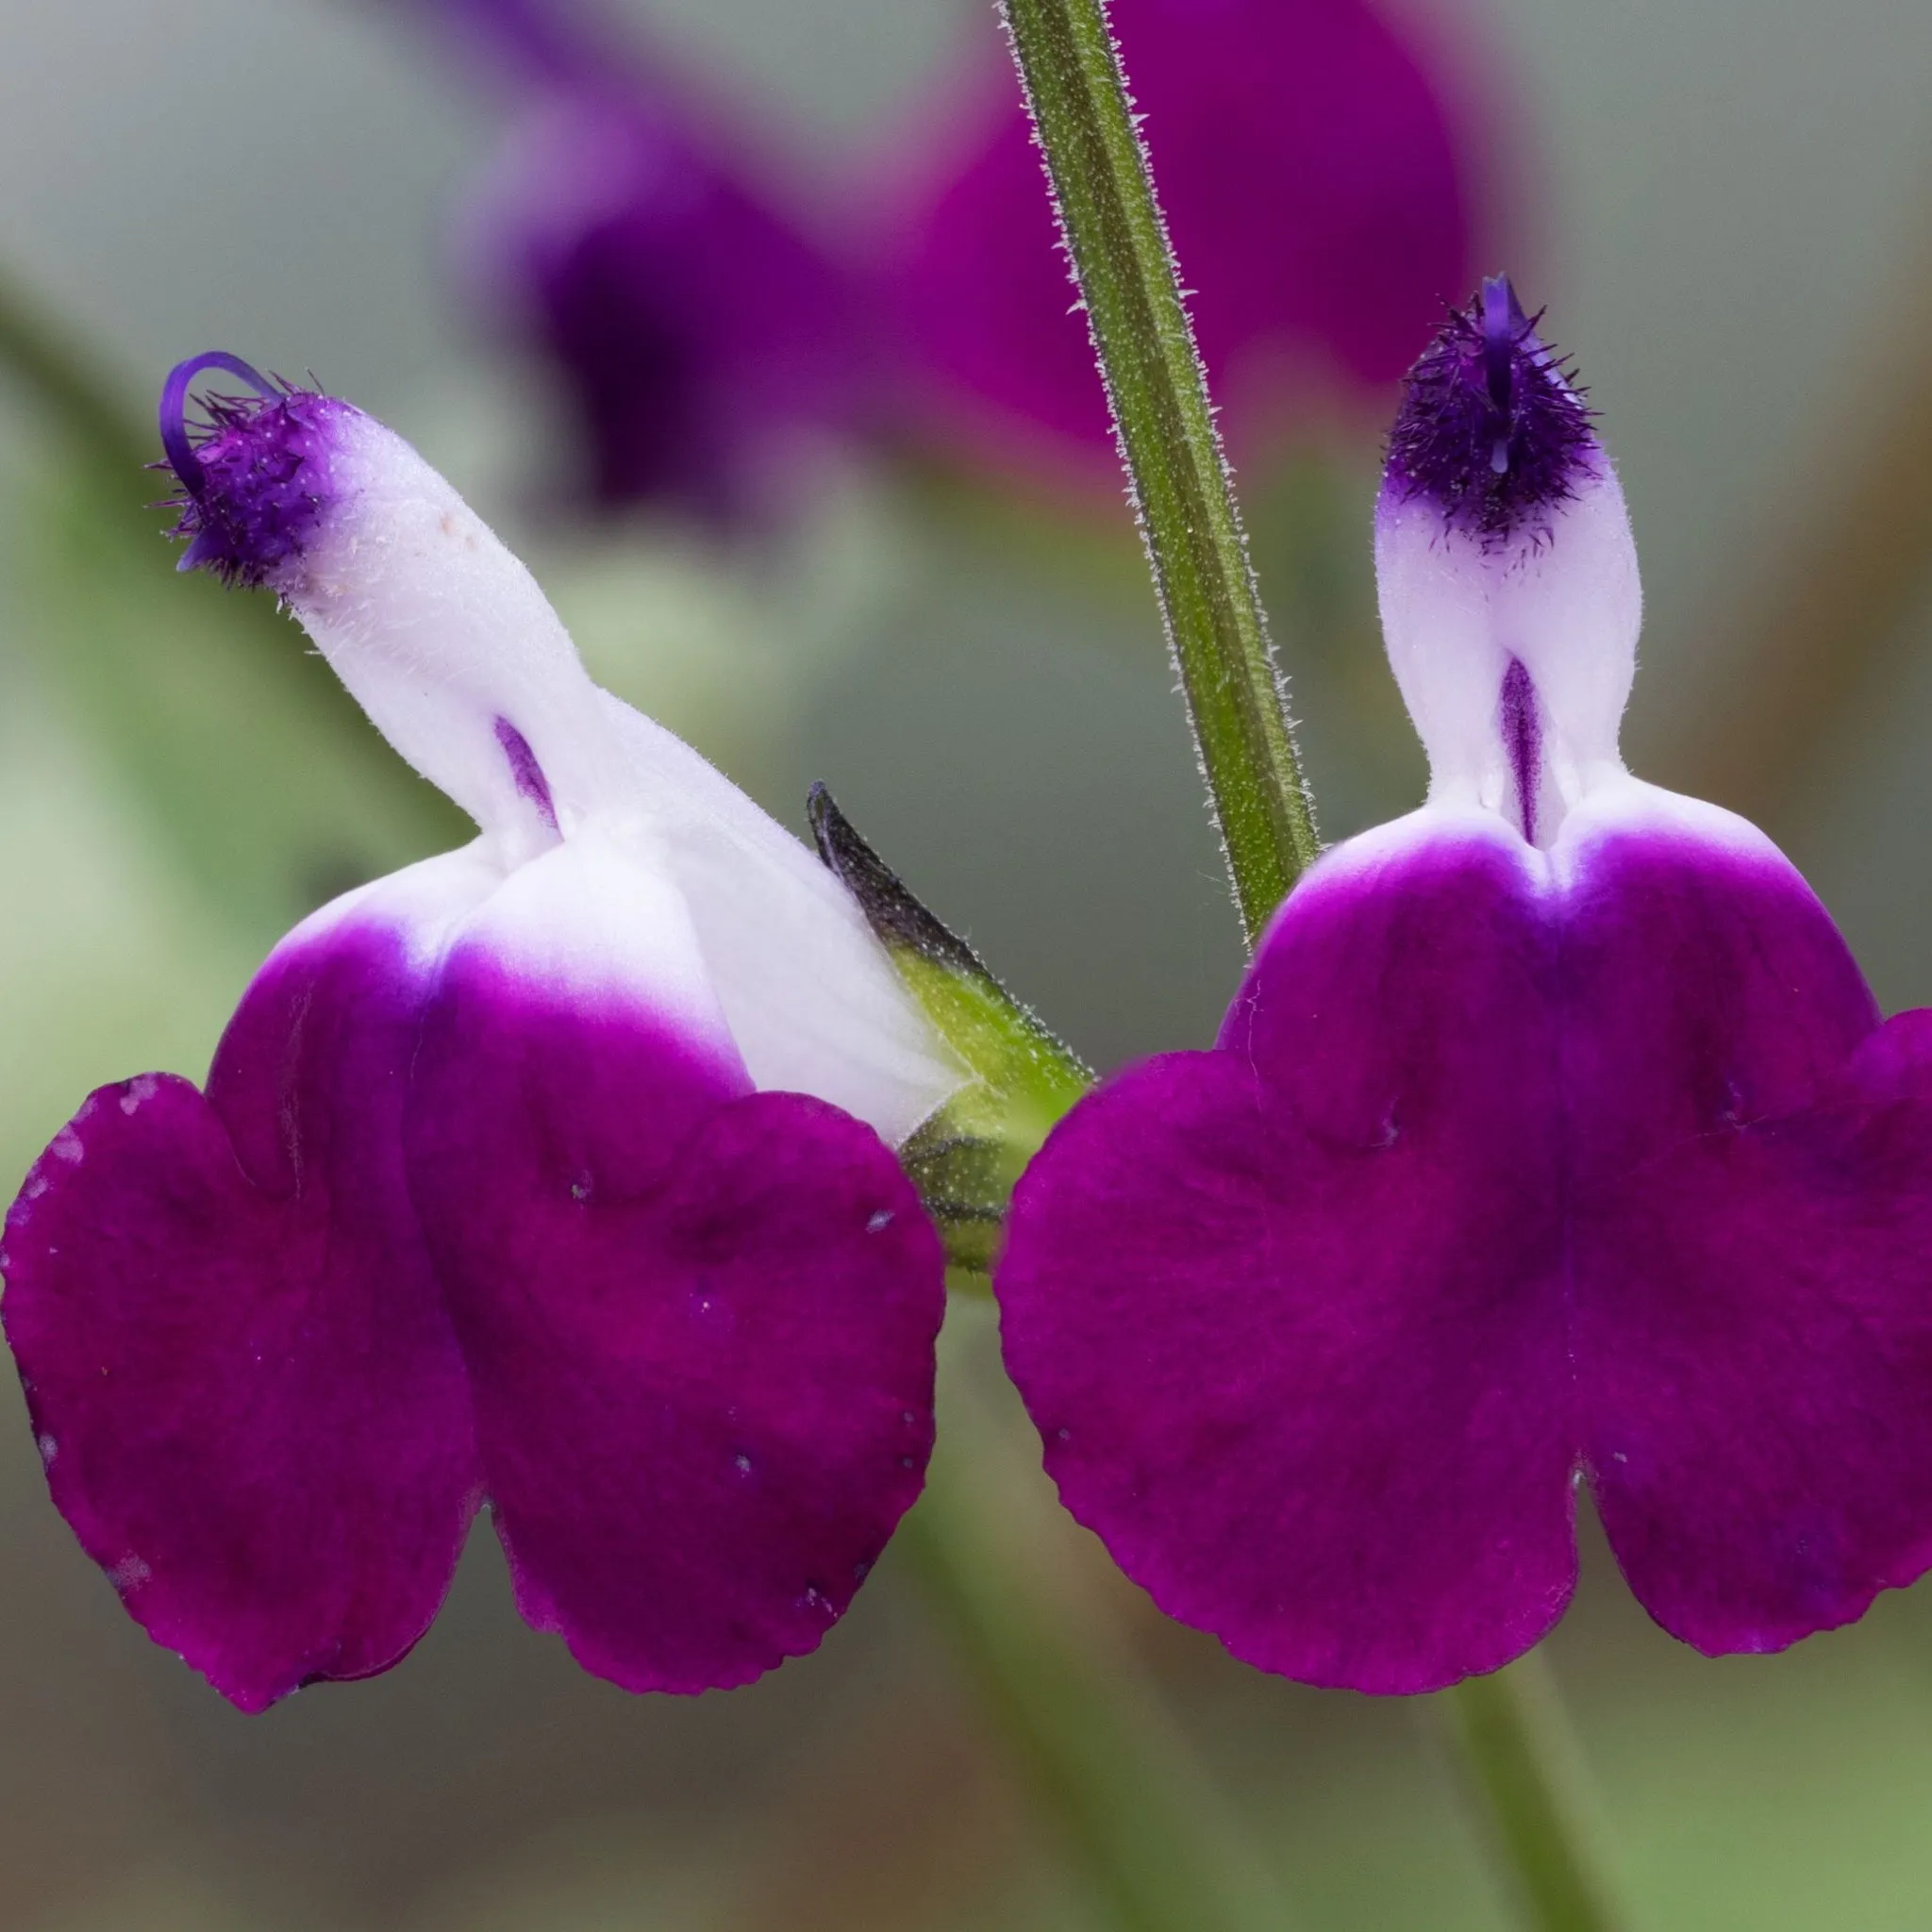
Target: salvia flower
[[706, 342], [1552, 1137], [1313, 124], [549, 1171]]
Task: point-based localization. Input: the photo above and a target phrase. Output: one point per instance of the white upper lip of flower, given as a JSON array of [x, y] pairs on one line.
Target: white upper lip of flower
[[444, 637]]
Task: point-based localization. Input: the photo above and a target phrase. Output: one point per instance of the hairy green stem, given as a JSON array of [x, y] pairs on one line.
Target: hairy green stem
[[1182, 494], [1516, 1749]]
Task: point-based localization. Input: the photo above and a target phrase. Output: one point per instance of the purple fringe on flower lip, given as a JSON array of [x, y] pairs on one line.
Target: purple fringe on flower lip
[[1522, 741], [254, 478], [1490, 426]]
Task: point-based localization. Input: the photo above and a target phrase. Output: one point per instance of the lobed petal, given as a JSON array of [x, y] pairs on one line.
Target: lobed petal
[[245, 1388], [1508, 1165], [1287, 1314], [1552, 1132], [498, 1209], [699, 1321], [1753, 1235]]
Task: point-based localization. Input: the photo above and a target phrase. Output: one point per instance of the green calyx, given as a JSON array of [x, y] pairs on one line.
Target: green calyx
[[966, 1157]]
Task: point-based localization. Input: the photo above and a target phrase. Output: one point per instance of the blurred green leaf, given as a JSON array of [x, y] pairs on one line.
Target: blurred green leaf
[[247, 758]]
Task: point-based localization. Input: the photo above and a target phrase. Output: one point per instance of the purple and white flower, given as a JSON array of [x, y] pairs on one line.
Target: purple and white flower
[[556, 1170], [1553, 1137]]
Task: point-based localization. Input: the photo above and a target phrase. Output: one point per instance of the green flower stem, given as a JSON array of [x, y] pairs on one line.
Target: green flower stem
[[1074, 1705], [1516, 1748], [1079, 1753], [1103, 190], [1159, 392]]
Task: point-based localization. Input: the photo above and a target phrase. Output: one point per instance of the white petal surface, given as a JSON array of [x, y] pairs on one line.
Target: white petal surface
[[444, 637], [686, 891], [426, 904], [812, 1000], [594, 925], [1563, 598]]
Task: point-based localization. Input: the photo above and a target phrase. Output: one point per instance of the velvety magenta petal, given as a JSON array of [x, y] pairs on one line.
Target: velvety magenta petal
[[1752, 1245], [1288, 1315], [699, 1324], [1310, 123], [247, 1397]]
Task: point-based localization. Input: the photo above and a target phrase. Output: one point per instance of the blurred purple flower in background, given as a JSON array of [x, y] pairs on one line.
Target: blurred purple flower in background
[[706, 340], [1317, 189]]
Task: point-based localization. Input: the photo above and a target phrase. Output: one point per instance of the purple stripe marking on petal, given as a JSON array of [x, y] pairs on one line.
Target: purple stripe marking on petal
[[525, 772], [1523, 739]]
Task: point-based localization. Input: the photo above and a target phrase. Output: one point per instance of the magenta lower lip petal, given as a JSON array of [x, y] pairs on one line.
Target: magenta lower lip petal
[[519, 1175], [1552, 1135], [1489, 1183]]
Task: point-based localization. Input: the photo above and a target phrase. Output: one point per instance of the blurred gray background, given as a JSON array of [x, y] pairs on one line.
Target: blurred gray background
[[1723, 202]]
